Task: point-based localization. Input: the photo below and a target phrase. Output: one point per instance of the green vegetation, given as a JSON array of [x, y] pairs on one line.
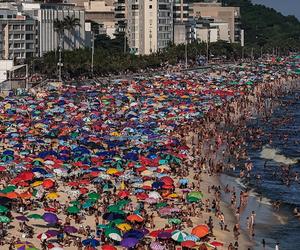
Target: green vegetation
[[265, 30], [265, 27]]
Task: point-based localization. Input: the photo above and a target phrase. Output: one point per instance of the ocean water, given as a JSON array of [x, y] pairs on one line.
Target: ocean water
[[280, 147]]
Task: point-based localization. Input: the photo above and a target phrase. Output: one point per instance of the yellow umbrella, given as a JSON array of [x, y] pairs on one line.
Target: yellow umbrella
[[112, 171], [147, 173], [148, 183], [174, 195], [37, 183], [52, 196], [124, 227]]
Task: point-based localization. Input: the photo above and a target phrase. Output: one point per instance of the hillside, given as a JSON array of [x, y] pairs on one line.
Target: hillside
[[265, 26]]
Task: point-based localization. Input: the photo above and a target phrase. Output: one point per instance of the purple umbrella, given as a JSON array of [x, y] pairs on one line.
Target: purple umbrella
[[129, 242], [164, 235], [52, 232], [70, 229], [156, 246], [22, 218], [50, 218]]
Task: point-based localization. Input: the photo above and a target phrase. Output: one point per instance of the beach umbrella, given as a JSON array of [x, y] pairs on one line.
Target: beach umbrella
[[73, 210], [113, 234], [113, 216], [178, 236], [44, 236], [134, 234], [3, 209], [22, 218], [50, 218], [188, 244], [124, 227], [25, 245], [164, 235], [200, 231], [174, 221], [216, 244], [52, 196], [195, 194], [108, 247], [94, 196], [4, 219], [156, 246], [135, 218], [91, 242], [70, 229], [129, 242], [35, 216]]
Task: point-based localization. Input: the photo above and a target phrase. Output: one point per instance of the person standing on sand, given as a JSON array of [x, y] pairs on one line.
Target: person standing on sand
[[277, 246]]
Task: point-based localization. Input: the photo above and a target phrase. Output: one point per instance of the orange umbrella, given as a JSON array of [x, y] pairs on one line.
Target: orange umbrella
[[25, 195], [48, 183], [200, 231], [135, 218], [12, 195]]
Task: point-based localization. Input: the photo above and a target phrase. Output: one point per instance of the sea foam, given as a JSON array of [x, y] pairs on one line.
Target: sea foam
[[275, 155]]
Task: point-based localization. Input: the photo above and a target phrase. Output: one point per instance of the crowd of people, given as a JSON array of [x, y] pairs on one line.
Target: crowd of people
[[130, 164]]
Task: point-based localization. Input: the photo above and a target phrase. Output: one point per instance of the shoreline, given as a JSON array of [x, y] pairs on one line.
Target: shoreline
[[282, 86]]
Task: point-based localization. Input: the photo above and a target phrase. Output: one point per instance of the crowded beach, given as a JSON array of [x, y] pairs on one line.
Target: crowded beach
[[133, 164]]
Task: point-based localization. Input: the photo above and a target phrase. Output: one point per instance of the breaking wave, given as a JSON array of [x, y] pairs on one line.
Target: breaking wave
[[275, 155]]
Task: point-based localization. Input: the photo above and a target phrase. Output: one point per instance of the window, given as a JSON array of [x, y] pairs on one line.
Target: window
[[29, 27], [9, 16], [29, 36], [150, 6], [1, 16]]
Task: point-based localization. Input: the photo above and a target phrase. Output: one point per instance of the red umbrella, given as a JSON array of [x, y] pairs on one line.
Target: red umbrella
[[217, 244], [73, 184], [167, 180], [108, 247], [155, 233], [48, 183], [123, 194], [135, 218], [188, 243]]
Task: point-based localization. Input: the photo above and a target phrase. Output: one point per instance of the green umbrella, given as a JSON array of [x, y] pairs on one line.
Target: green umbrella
[[4, 219], [116, 222], [123, 203], [174, 221], [192, 199], [113, 208], [75, 203], [195, 194], [3, 209], [73, 210], [94, 196], [8, 189], [161, 204], [35, 216]]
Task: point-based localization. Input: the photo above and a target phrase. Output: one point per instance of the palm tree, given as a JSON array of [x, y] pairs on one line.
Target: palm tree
[[59, 27], [71, 22]]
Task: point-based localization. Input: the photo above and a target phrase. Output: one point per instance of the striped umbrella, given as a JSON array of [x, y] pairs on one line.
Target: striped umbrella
[[156, 246], [178, 236]]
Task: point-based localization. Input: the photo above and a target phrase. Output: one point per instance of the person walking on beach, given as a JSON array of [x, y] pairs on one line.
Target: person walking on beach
[[277, 246]]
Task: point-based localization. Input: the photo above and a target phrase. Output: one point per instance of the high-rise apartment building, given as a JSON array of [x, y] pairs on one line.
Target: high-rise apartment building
[[216, 11], [45, 15], [18, 34], [149, 25]]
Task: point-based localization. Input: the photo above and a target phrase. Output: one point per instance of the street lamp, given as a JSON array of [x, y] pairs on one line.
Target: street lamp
[[93, 52]]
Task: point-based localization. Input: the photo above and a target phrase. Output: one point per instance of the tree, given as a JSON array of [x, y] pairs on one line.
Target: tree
[[59, 28], [71, 22]]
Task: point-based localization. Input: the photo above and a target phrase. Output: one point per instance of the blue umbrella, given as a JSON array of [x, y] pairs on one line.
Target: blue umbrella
[[129, 242], [134, 234], [91, 242]]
